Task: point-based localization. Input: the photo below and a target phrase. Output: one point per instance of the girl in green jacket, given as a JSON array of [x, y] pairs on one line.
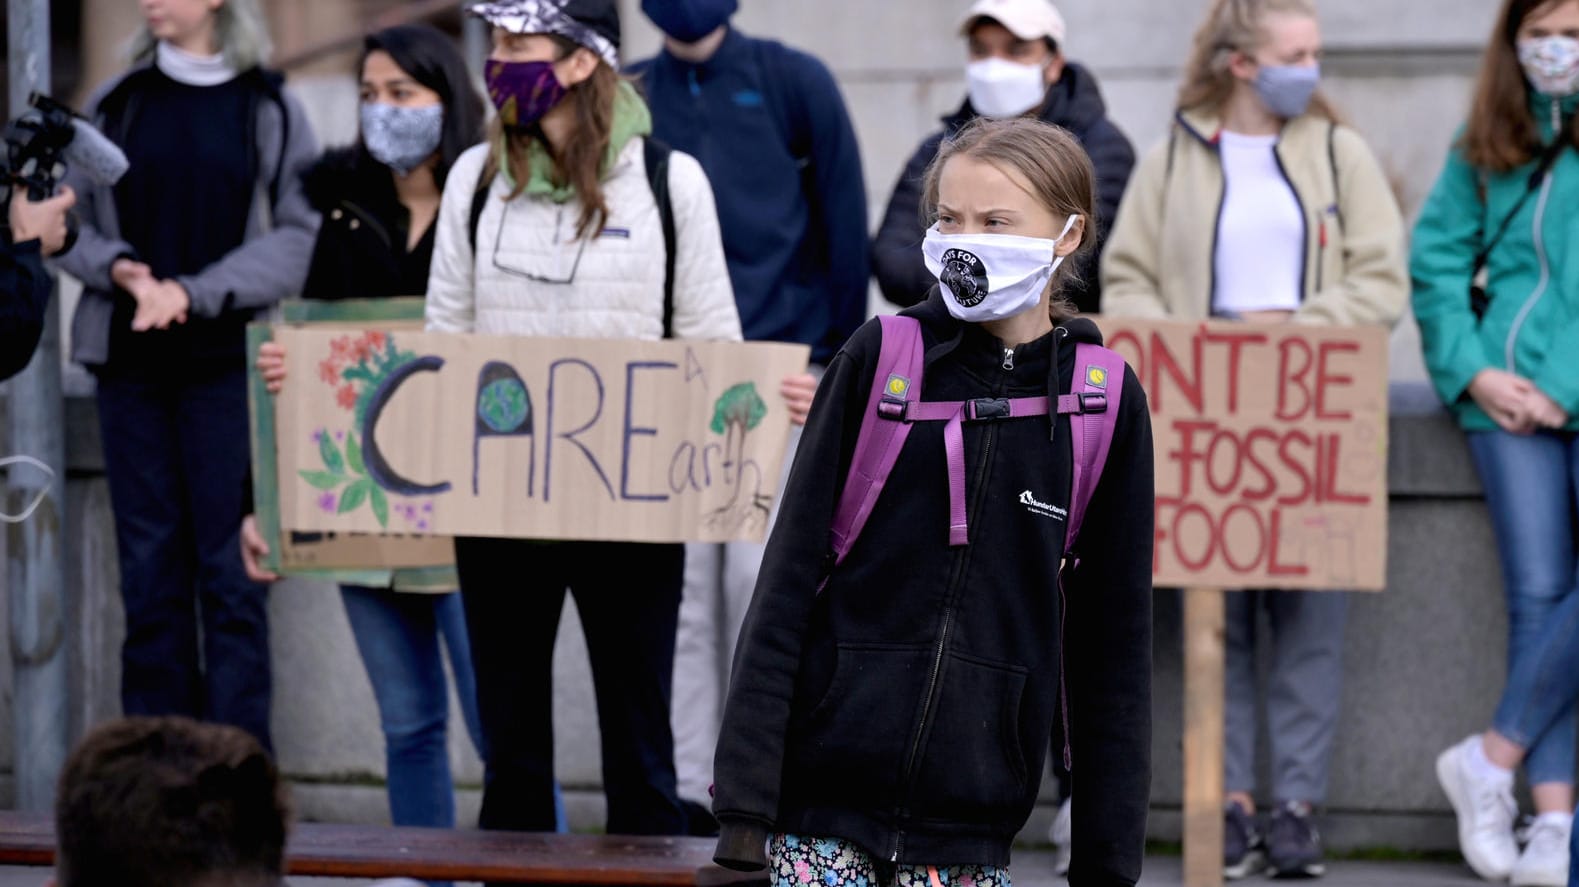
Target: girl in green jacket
[[1496, 292]]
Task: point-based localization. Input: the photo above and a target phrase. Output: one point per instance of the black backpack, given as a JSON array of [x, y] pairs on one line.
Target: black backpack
[[656, 155]]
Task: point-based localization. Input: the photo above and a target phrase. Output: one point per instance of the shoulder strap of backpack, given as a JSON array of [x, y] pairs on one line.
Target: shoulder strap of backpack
[[480, 201], [895, 383], [1099, 374], [656, 156]]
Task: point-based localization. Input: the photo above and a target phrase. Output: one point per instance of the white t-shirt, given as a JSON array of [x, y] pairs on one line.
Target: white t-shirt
[[1260, 232]]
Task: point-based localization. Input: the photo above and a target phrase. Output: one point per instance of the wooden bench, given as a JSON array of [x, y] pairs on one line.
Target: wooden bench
[[359, 851]]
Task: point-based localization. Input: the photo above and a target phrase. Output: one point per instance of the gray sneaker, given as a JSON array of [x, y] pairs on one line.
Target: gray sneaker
[[1293, 844], [1243, 852]]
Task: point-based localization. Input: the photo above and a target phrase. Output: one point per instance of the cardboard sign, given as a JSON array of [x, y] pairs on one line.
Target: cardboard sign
[[1271, 452], [410, 563], [393, 433]]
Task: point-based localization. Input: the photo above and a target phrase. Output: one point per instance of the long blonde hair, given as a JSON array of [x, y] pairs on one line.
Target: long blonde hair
[[1052, 162], [239, 27], [1235, 26]]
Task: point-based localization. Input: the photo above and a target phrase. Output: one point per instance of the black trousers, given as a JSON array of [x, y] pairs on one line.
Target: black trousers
[[197, 635], [628, 597]]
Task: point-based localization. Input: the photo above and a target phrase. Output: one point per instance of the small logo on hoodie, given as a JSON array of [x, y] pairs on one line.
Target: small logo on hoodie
[[1037, 506]]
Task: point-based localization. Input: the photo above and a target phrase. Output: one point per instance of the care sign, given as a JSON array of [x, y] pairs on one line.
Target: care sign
[[435, 434], [1271, 451]]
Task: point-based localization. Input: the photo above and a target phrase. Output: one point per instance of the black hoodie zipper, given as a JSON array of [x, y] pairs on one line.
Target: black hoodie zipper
[[956, 582]]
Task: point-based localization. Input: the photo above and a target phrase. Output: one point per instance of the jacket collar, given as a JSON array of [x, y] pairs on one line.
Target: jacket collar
[[948, 335], [1075, 103], [731, 55], [1206, 126]]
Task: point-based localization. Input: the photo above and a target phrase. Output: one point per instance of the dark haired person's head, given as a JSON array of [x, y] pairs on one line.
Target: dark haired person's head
[[418, 103], [1532, 59], [169, 802], [1015, 55], [554, 77]]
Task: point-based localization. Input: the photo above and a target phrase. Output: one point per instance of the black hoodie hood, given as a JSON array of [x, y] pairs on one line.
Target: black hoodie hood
[[349, 174], [946, 334], [1075, 103]]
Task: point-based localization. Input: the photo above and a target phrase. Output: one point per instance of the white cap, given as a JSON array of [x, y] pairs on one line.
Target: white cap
[[1026, 19]]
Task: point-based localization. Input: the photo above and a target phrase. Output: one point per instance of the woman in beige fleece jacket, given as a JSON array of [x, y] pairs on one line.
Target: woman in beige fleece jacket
[[1261, 206]]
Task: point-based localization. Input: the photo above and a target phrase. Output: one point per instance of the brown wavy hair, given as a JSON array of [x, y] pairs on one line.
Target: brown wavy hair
[[580, 165], [1502, 134], [1236, 26], [1051, 161]]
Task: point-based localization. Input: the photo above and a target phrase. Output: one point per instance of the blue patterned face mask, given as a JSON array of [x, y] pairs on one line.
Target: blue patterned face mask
[[401, 138]]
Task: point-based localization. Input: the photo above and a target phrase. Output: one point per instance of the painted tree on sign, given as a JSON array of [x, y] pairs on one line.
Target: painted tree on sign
[[738, 412]]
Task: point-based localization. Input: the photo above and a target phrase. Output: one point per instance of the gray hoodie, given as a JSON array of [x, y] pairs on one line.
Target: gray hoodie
[[271, 263]]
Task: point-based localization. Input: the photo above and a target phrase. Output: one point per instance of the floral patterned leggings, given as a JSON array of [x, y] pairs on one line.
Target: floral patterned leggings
[[794, 861]]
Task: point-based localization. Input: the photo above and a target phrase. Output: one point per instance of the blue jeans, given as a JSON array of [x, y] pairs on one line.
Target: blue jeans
[[398, 635], [197, 634], [1530, 490]]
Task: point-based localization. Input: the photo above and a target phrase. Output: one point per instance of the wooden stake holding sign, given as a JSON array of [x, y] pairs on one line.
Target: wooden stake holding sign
[[1271, 454]]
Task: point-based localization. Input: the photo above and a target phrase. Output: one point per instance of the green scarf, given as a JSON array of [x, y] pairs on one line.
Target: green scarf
[[632, 119]]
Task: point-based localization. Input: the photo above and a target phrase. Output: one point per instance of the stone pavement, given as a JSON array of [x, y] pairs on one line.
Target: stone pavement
[[1034, 869]]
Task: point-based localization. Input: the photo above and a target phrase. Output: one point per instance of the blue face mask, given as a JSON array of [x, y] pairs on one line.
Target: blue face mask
[[401, 138], [1286, 90], [688, 21]]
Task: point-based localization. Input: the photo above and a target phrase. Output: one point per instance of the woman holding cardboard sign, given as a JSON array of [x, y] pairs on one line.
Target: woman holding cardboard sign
[[1496, 291], [1263, 207], [570, 222], [379, 200]]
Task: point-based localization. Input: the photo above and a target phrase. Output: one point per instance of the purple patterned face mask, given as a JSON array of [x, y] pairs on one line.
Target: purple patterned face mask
[[523, 91]]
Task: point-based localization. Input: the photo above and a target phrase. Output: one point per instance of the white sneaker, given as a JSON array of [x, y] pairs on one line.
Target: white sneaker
[[1544, 862], [1062, 834], [1485, 810]]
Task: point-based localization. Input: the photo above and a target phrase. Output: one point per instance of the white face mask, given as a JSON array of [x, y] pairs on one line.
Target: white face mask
[[42, 492], [1000, 88], [1552, 64], [992, 276]]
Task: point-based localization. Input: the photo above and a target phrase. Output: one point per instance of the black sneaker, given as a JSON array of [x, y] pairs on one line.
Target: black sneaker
[[1293, 844], [1243, 852]]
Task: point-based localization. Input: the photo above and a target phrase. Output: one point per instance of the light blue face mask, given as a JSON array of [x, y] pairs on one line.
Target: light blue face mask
[[401, 138], [42, 491], [1286, 90]]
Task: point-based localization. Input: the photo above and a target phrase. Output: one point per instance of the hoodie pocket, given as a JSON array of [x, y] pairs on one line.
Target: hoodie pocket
[[852, 743], [973, 767]]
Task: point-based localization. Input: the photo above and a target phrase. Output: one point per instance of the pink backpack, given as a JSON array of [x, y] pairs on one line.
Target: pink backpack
[[894, 405]]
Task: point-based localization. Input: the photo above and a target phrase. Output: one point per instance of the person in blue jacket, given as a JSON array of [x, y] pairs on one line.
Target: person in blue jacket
[[772, 133]]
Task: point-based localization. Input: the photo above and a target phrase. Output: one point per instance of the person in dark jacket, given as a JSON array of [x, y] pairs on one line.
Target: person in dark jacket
[[208, 229], [1017, 68], [775, 139], [37, 228], [890, 715], [380, 199]]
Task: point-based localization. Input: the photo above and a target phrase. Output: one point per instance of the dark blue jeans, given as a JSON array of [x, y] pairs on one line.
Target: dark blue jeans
[[401, 638], [628, 597], [197, 641], [1530, 484]]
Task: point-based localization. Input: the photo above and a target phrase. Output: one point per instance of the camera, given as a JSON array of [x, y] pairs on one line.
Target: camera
[[43, 143]]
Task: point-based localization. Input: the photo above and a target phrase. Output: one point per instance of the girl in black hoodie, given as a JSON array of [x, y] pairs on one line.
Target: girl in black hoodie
[[892, 727]]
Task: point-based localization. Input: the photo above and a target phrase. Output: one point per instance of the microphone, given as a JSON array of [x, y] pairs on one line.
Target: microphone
[[93, 153]]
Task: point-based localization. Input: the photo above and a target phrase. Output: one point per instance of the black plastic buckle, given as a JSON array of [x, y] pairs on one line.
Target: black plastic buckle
[[1093, 402], [987, 409]]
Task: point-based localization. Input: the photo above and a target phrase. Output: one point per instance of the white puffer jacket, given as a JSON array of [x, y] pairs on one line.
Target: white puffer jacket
[[531, 276]]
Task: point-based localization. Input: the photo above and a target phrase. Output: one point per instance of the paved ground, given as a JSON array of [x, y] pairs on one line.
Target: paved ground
[[1034, 869]]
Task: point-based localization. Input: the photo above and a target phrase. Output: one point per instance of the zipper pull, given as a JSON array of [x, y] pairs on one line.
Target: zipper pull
[[696, 87], [1008, 359]]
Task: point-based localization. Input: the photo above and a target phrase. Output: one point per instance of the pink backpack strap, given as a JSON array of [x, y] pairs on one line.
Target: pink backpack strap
[[1093, 407], [896, 384]]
